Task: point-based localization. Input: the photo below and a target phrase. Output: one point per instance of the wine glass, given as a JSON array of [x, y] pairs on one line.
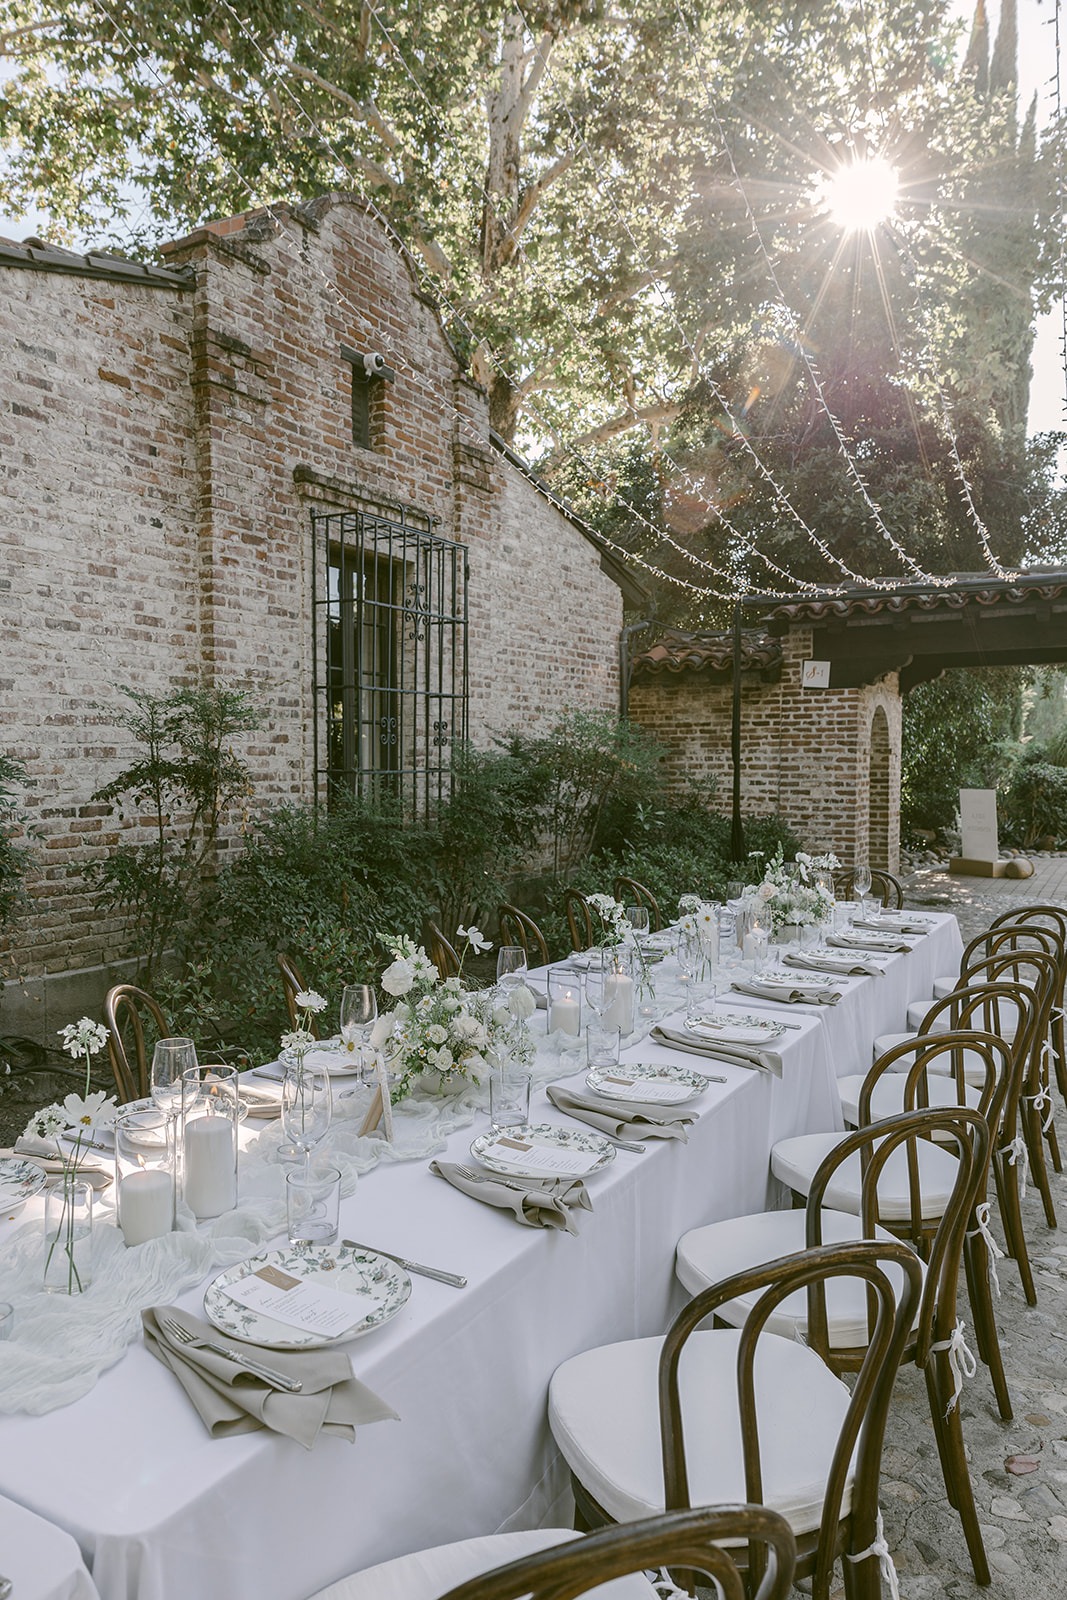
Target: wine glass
[[510, 967], [307, 1107], [170, 1059], [359, 1009], [861, 881], [637, 917], [600, 982]]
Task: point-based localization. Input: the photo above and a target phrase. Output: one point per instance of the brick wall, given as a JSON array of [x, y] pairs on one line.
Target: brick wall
[[805, 753], [161, 452]]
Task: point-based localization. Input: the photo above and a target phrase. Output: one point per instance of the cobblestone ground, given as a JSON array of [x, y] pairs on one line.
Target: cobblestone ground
[[1019, 1468]]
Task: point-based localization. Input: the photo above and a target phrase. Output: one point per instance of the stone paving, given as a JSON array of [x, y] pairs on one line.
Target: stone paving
[[1019, 1468]]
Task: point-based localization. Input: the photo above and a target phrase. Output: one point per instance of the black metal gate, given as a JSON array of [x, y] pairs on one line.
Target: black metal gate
[[389, 631]]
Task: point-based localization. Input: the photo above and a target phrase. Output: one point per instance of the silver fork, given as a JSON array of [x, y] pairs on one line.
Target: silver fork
[[246, 1363], [491, 1177]]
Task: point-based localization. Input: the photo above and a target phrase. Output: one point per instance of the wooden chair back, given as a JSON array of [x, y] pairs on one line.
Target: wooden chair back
[[863, 1428], [125, 1010], [293, 984], [579, 919], [689, 1540], [631, 893], [882, 883], [441, 952], [516, 927]]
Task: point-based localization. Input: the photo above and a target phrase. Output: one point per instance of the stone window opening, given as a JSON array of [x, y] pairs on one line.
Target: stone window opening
[[369, 372]]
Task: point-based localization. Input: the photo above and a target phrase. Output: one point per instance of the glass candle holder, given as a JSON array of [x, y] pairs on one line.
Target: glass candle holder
[[145, 1179], [210, 1115], [564, 1001]]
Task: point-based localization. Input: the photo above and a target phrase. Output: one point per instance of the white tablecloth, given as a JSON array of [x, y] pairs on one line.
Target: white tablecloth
[[163, 1513], [42, 1562]]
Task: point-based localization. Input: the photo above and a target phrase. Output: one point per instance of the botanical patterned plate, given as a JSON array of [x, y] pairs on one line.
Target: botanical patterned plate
[[540, 1150], [332, 1054], [19, 1182], [358, 1272], [789, 979], [663, 1085], [736, 1030]]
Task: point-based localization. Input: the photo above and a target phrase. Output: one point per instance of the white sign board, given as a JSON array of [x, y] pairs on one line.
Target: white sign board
[[815, 675], [978, 824]]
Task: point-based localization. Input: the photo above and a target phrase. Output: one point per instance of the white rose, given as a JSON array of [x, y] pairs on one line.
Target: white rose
[[398, 978], [436, 1034], [521, 1002], [441, 1060]]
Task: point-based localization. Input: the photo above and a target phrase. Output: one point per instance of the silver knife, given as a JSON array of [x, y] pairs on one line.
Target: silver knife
[[453, 1278]]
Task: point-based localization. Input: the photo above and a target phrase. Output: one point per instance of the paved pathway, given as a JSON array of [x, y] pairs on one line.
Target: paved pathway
[[1019, 1468]]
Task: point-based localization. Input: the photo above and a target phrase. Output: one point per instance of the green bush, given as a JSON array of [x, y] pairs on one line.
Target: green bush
[[958, 732], [14, 856], [1033, 804]]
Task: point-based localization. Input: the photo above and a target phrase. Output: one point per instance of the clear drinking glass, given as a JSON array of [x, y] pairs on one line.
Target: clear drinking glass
[[637, 917], [861, 881], [600, 981], [170, 1059], [510, 967], [509, 1098], [307, 1107], [359, 1010], [312, 1203]]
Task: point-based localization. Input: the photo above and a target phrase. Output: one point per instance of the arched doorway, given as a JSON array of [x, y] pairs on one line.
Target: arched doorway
[[878, 797]]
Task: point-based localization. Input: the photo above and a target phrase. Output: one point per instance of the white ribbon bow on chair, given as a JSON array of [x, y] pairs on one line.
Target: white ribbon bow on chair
[[885, 1561], [993, 1252], [1014, 1151], [961, 1362]]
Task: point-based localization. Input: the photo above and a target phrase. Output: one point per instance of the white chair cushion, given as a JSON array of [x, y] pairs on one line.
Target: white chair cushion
[[888, 1041], [944, 986], [713, 1253], [604, 1414], [1009, 1018], [795, 1161], [887, 1099], [428, 1574]]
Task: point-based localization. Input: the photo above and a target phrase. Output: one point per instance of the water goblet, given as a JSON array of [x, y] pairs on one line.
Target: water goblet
[[861, 881], [637, 917], [307, 1107], [170, 1059], [359, 1009], [510, 967]]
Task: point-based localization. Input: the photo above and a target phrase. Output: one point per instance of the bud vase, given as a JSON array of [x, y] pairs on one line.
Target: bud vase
[[68, 1236]]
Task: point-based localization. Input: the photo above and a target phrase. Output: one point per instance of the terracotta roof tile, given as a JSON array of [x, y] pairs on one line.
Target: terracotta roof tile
[[710, 653]]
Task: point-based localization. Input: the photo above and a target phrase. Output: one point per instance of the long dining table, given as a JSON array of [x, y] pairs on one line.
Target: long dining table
[[161, 1511]]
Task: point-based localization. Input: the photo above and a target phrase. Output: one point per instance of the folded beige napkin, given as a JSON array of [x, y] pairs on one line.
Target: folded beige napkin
[[538, 1203], [230, 1401], [888, 944], [789, 993], [848, 966], [903, 926], [636, 1119], [738, 1055], [42, 1152]]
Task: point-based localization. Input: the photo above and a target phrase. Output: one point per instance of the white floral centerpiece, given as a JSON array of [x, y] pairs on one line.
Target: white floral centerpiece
[[442, 1032], [790, 894], [77, 1120], [614, 924]]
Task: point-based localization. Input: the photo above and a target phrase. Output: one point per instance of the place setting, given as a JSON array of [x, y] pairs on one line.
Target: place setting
[[785, 988], [823, 958], [745, 1040], [639, 1099]]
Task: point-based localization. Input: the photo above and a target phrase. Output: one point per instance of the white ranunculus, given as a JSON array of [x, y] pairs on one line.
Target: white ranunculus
[[398, 978]]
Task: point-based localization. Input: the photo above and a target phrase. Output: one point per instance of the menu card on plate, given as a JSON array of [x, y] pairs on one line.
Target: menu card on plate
[[537, 1158], [300, 1302], [660, 1090]]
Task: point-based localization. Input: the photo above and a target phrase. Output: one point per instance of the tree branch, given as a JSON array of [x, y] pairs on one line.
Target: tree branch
[[365, 110], [650, 416], [531, 198]]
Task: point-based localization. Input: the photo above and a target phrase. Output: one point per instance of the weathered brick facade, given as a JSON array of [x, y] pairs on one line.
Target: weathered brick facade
[[162, 447], [807, 754]]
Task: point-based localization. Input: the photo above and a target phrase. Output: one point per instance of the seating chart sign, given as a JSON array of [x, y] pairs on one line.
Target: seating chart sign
[[978, 824]]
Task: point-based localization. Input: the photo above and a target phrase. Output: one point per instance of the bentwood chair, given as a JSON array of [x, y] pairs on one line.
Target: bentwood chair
[[293, 984], [706, 1415], [1054, 919], [631, 893], [441, 952], [516, 927], [556, 1564], [879, 1166], [579, 920], [127, 1009], [882, 883]]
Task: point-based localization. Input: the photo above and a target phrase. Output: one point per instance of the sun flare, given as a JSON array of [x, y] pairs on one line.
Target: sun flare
[[861, 195]]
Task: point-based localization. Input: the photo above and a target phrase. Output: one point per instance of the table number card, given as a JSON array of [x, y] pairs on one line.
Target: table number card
[[380, 1110]]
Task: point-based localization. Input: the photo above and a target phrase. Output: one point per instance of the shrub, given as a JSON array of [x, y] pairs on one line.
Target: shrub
[[14, 825], [1033, 804]]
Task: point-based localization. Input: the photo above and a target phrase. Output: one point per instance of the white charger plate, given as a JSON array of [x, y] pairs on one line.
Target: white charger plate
[[337, 1266], [736, 1030], [506, 1158], [19, 1181], [669, 1085]]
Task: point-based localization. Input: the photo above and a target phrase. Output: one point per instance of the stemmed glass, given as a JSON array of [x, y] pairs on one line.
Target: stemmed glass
[[637, 917], [170, 1058], [861, 881], [359, 1010], [510, 967], [307, 1107]]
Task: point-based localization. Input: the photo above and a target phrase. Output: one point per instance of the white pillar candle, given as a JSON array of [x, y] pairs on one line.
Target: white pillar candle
[[564, 1015], [620, 1012], [210, 1167], [146, 1205]]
